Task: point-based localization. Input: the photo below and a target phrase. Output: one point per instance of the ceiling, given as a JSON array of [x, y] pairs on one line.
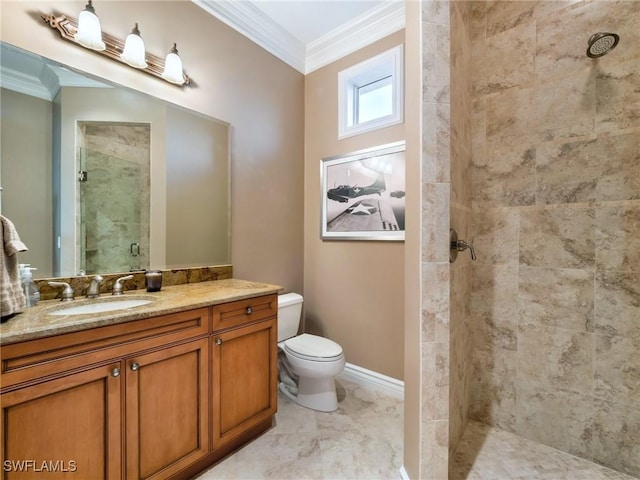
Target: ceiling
[[308, 34], [308, 20]]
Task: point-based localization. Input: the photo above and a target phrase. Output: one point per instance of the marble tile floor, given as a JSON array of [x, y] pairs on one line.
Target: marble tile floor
[[486, 453], [362, 440]]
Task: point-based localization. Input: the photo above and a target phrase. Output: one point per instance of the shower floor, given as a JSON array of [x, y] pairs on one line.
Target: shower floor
[[486, 453]]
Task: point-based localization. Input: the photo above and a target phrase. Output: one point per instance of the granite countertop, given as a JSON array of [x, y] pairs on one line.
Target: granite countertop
[[37, 322]]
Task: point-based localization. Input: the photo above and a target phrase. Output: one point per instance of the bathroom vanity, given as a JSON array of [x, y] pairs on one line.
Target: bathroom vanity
[[159, 391]]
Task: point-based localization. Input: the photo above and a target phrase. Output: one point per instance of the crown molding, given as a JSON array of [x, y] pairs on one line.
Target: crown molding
[[363, 30], [50, 80], [30, 85], [32, 75], [69, 78], [47, 83], [254, 24]]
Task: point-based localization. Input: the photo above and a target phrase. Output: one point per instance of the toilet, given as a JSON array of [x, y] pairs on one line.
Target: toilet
[[307, 363]]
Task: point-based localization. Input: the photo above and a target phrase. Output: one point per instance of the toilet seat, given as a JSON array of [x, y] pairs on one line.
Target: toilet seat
[[313, 348]]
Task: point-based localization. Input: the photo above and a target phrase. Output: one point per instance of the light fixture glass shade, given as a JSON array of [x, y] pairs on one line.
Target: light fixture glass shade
[[133, 53], [173, 67], [89, 33]]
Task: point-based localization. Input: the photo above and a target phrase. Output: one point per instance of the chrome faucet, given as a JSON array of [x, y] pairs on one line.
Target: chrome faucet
[[94, 287], [67, 291], [117, 287], [459, 246]]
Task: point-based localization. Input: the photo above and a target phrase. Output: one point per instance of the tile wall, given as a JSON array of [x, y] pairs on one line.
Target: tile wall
[[461, 351], [556, 206], [435, 272], [446, 203]]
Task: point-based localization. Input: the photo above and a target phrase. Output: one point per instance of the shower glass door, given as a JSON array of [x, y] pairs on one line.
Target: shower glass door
[[114, 198]]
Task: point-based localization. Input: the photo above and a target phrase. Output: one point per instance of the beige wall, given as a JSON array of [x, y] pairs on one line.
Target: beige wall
[[197, 190], [26, 199], [354, 290], [412, 452], [236, 81], [556, 182]]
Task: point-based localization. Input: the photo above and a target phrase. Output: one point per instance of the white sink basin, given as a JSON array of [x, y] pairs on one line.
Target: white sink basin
[[101, 307]]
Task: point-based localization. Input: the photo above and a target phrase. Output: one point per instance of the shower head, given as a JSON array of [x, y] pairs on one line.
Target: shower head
[[601, 43]]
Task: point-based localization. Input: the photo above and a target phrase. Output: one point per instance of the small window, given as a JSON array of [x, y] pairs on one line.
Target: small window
[[370, 94], [375, 100]]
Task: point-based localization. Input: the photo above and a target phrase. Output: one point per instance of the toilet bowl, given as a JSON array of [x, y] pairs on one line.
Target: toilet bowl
[[310, 363]]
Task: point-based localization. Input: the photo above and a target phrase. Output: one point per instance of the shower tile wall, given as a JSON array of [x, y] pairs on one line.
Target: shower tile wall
[[436, 200], [556, 207], [460, 354]]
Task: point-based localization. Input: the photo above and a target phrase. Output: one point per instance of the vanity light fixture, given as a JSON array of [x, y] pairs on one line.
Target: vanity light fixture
[[173, 67], [89, 33], [131, 52]]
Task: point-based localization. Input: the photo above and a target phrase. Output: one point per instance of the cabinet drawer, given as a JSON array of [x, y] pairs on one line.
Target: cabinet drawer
[[233, 314], [30, 360]]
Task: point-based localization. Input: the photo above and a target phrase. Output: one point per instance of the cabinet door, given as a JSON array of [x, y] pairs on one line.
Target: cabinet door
[[167, 410], [69, 427], [244, 379]]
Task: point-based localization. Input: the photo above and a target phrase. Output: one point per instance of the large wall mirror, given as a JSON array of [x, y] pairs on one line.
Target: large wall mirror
[[98, 178]]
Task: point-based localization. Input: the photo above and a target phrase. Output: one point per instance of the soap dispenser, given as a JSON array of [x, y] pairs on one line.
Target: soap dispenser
[[31, 292], [21, 267]]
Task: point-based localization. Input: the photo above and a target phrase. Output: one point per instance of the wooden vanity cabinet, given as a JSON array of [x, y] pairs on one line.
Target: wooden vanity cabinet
[[159, 398], [122, 401]]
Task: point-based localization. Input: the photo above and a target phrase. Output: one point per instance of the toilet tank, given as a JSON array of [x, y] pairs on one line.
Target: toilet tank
[[289, 314]]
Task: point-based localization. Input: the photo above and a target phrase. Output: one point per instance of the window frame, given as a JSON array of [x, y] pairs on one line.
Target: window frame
[[350, 80]]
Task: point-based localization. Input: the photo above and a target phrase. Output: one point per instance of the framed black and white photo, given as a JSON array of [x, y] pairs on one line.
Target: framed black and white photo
[[363, 194]]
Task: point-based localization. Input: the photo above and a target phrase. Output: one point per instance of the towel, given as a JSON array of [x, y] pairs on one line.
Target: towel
[[12, 299]]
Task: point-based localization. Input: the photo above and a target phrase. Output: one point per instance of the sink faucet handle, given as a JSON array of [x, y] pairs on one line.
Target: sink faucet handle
[[94, 287], [117, 287], [67, 291]]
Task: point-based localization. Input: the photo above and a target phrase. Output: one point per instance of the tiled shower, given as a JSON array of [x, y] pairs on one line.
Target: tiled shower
[[545, 179]]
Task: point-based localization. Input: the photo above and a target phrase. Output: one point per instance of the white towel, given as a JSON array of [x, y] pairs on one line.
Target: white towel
[[12, 298]]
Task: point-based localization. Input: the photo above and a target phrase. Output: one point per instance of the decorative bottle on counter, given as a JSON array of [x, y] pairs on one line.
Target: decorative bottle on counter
[[31, 292]]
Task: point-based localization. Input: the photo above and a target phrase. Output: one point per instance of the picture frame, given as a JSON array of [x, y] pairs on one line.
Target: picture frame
[[363, 194]]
